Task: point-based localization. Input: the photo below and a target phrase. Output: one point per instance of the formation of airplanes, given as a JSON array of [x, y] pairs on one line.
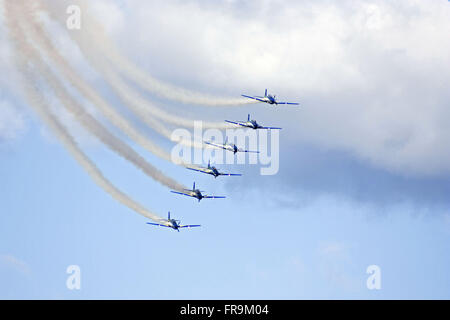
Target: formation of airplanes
[[211, 170]]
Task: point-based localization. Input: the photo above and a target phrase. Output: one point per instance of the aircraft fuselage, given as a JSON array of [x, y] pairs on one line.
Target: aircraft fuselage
[[212, 171], [252, 124], [173, 224], [197, 194], [231, 147], [270, 99]]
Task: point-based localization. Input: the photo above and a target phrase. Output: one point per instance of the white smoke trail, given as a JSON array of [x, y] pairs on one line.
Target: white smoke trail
[[132, 102], [107, 49], [142, 107], [91, 124], [41, 38], [40, 106]]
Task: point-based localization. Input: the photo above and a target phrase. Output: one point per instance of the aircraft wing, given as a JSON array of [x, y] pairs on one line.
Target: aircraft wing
[[242, 150], [198, 169], [274, 128], [292, 103], [238, 123], [190, 226], [157, 224], [255, 98], [183, 193], [230, 174], [213, 197], [215, 145]]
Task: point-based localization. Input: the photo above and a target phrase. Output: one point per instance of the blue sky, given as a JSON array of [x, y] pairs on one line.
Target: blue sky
[[360, 181], [54, 216]]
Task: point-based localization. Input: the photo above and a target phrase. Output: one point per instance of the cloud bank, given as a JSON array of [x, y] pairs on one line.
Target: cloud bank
[[372, 76]]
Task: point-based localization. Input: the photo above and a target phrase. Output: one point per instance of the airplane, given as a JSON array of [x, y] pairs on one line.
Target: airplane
[[196, 193], [174, 224], [252, 124], [229, 147], [213, 171], [268, 98]]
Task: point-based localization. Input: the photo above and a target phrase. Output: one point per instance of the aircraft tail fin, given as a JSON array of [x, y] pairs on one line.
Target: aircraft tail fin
[[248, 119], [193, 187], [265, 93], [168, 216]]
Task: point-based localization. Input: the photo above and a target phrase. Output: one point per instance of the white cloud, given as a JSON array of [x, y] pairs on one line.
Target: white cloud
[[372, 76]]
